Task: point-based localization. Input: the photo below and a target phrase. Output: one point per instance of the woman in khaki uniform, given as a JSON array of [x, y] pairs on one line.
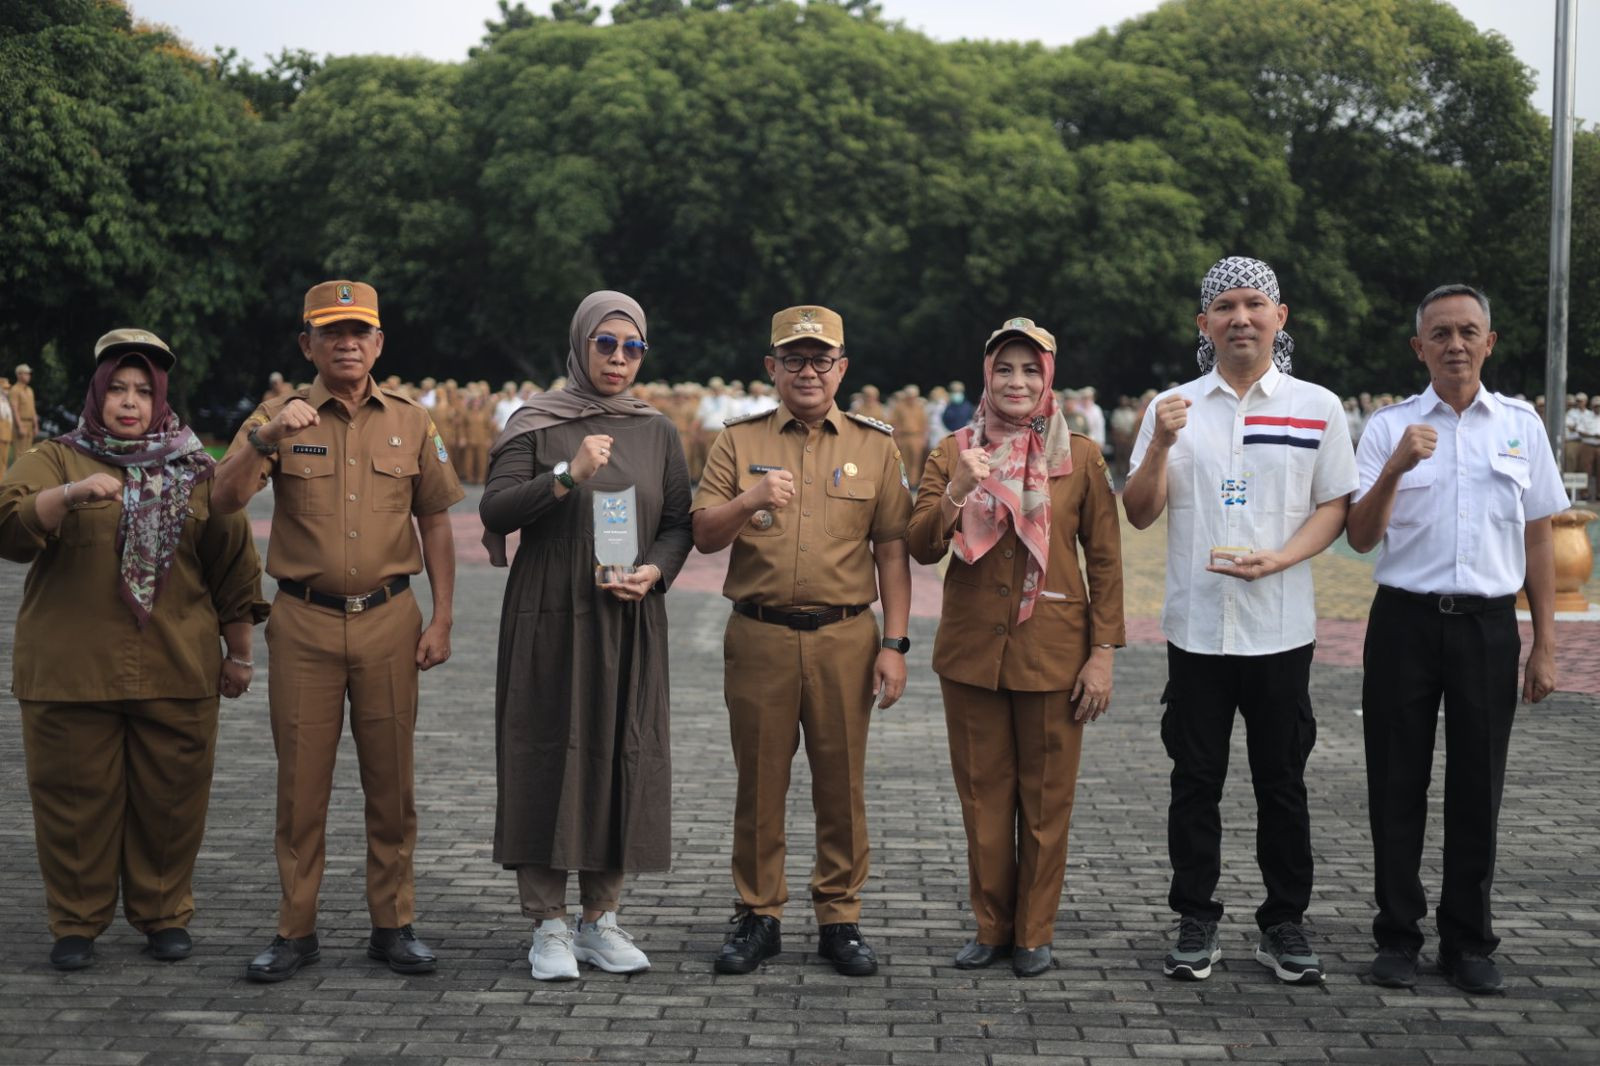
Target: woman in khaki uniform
[[127, 560], [1024, 651]]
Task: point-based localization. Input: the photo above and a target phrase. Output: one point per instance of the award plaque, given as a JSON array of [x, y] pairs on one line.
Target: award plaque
[[616, 535]]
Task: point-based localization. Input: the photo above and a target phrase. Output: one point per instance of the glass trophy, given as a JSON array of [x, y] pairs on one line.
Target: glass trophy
[[616, 535]]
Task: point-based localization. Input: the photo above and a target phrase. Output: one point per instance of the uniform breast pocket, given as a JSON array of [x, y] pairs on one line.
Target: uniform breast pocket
[[1511, 480], [306, 484], [1180, 479], [847, 511], [1302, 466], [1413, 498], [766, 522], [91, 523], [392, 481]]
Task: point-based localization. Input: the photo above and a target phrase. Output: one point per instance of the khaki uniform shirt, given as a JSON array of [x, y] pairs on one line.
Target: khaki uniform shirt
[[346, 489], [850, 490], [7, 425], [23, 410], [76, 639], [980, 642]]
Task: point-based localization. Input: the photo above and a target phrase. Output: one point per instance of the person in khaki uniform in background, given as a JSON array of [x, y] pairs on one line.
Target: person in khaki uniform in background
[[1024, 651], [812, 500], [8, 425], [909, 416], [350, 465], [23, 410], [476, 435]]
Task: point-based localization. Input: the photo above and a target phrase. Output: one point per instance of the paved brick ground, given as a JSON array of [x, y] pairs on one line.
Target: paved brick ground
[[1107, 1003]]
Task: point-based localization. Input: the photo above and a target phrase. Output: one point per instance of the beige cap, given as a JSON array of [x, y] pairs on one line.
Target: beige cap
[[123, 340], [1021, 327], [807, 322], [23, 368]]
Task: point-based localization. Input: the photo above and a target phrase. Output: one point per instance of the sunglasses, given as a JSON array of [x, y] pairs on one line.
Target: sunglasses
[[794, 364], [606, 344]]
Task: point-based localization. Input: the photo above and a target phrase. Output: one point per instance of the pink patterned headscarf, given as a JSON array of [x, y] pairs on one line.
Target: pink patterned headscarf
[[1024, 454]]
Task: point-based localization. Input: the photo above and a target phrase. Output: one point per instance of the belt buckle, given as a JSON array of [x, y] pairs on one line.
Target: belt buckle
[[1447, 605], [806, 622], [355, 604]]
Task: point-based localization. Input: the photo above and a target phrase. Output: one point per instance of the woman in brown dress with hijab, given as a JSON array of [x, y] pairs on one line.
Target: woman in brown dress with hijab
[[581, 701]]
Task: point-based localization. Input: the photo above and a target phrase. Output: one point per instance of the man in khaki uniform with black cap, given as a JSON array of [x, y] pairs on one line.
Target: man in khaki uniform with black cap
[[351, 464], [813, 501], [24, 412]]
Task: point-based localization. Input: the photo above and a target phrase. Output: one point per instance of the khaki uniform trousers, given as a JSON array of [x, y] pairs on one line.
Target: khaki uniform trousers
[[317, 656], [543, 891], [1589, 463], [119, 792], [778, 681], [1015, 760]]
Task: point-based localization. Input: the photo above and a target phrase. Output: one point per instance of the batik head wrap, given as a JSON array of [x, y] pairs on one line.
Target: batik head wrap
[[578, 398], [1024, 454], [1241, 272], [159, 472]]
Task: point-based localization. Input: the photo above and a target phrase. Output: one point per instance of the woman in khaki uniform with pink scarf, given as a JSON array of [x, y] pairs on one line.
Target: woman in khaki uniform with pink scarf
[[1024, 651]]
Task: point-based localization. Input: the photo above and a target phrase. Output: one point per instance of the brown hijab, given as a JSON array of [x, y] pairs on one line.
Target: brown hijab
[[579, 399]]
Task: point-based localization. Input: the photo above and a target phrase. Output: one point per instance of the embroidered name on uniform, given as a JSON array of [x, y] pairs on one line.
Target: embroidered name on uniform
[[1513, 450], [1293, 432], [310, 449]]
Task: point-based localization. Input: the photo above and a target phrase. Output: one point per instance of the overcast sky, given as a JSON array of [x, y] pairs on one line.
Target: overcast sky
[[445, 29]]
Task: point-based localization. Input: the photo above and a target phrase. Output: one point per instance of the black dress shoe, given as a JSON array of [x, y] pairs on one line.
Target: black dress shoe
[[758, 938], [1031, 962], [1475, 975], [169, 945], [975, 956], [283, 958], [1395, 968], [401, 949], [841, 944], [72, 953]]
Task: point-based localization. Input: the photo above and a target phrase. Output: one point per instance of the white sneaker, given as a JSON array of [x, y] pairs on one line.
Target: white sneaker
[[551, 954], [601, 943]]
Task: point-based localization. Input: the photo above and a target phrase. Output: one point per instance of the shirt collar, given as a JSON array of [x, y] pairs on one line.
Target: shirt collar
[[1431, 401], [320, 395], [1268, 381], [834, 418]]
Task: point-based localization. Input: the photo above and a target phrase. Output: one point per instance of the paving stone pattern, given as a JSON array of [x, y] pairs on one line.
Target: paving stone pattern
[[1106, 1003]]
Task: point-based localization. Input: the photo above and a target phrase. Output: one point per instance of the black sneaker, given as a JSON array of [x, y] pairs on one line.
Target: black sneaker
[[1476, 975], [1394, 968], [759, 937], [1196, 949], [841, 943]]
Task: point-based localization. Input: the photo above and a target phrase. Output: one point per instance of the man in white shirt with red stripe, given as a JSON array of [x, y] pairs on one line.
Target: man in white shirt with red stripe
[[1458, 484], [1254, 468]]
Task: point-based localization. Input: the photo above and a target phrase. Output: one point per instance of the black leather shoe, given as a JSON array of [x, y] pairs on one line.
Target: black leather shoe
[[401, 949], [1475, 975], [72, 953], [283, 958], [1031, 962], [758, 938], [169, 945], [841, 944], [1394, 968], [975, 956]]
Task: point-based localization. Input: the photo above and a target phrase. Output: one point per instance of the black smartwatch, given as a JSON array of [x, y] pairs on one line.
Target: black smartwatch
[[899, 644], [561, 474]]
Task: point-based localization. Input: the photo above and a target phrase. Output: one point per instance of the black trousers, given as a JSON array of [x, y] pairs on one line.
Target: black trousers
[[1413, 656], [1271, 692]]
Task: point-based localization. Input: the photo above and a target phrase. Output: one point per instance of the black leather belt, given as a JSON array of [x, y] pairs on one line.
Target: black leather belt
[[1452, 604], [347, 604], [798, 619]]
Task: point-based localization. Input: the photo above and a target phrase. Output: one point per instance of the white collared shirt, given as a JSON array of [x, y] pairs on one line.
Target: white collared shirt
[[1458, 516], [1246, 473]]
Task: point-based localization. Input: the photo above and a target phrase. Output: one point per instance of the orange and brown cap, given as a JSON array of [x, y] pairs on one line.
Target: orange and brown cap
[[336, 301]]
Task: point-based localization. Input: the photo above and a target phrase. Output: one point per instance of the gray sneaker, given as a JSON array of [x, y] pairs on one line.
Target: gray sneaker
[[1285, 951], [1191, 957]]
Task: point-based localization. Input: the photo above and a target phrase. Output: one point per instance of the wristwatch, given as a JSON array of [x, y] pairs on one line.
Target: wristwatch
[[260, 445], [899, 644], [562, 475]]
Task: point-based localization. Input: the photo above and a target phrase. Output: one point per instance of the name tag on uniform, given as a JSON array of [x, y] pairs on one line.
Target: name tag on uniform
[[310, 449], [762, 468]]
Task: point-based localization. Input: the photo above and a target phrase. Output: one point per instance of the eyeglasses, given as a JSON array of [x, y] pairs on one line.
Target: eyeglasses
[[606, 344], [794, 363]]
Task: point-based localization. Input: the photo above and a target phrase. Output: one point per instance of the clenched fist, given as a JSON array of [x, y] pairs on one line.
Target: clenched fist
[[100, 486], [1416, 444], [297, 415], [593, 453], [773, 492], [972, 467], [1172, 414]]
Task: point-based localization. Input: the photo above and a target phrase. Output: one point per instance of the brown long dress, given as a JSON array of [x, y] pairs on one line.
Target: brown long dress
[[581, 704]]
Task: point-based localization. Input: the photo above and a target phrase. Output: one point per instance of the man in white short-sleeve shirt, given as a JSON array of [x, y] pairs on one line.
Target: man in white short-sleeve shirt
[[1458, 484], [1253, 468]]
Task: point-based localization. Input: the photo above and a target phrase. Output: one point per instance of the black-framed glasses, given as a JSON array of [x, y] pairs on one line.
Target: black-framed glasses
[[794, 362], [606, 344]]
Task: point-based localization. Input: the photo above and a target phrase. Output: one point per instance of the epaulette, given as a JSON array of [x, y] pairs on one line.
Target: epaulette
[[751, 417], [1512, 401], [395, 394], [881, 427]]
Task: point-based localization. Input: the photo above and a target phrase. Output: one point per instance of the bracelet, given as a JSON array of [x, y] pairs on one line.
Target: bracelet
[[235, 660], [66, 494], [957, 503]]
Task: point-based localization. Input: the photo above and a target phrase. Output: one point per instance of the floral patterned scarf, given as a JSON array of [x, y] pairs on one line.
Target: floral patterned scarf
[[1024, 454], [159, 469]]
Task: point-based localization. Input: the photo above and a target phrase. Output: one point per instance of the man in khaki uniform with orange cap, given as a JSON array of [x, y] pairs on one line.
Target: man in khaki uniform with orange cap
[[813, 501], [350, 463], [23, 410]]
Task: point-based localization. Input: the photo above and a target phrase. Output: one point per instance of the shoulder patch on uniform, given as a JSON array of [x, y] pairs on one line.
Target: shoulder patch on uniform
[[751, 417], [881, 427], [1512, 401]]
